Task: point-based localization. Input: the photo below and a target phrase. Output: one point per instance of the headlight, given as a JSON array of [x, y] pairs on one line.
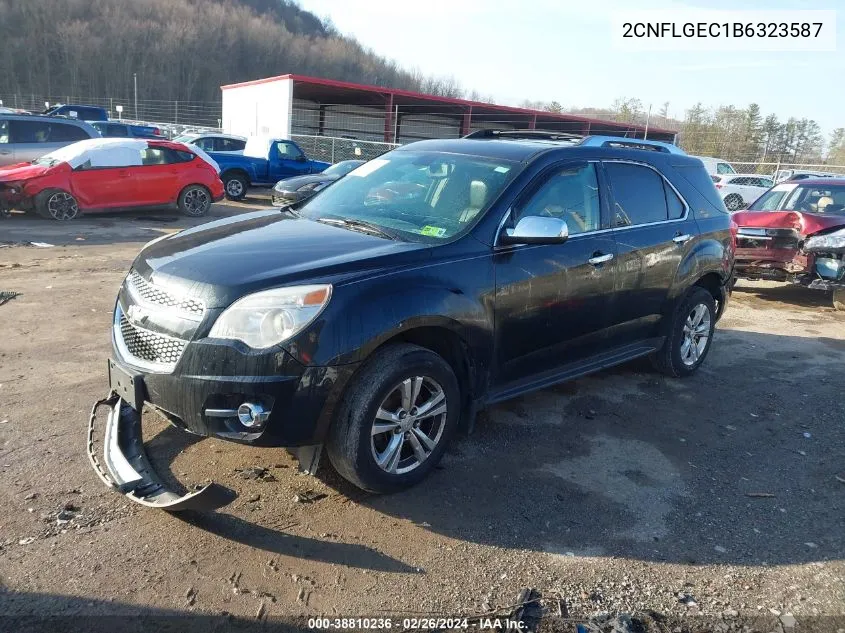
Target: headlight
[[270, 317]]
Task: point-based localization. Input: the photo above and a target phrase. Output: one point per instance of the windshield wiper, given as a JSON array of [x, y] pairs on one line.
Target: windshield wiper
[[361, 225]]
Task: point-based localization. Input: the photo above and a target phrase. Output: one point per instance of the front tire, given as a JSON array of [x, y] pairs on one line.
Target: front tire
[[734, 202], [395, 420], [690, 335], [56, 204], [194, 201], [235, 186]]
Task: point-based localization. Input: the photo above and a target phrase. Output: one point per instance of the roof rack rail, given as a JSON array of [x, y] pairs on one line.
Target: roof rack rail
[[550, 135], [632, 143]]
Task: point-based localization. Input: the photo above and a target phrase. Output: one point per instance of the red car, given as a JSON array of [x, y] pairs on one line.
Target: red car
[[795, 232], [104, 174]]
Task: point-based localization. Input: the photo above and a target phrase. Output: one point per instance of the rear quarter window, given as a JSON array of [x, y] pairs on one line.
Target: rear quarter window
[[700, 180], [61, 132]]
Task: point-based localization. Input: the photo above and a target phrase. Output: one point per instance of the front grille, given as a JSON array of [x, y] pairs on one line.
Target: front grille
[[157, 296], [148, 346]]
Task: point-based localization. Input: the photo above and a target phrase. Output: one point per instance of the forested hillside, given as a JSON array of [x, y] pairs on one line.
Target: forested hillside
[[180, 49]]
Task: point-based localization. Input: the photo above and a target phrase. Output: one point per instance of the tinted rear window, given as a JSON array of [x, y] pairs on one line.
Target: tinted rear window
[[638, 194], [698, 177], [61, 132]]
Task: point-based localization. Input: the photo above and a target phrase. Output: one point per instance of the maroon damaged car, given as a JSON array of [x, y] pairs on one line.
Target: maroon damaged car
[[795, 232]]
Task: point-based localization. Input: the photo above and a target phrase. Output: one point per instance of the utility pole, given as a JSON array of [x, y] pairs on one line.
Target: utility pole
[[135, 79], [647, 118]]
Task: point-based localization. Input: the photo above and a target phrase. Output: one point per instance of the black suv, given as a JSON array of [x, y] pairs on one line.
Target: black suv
[[376, 318]]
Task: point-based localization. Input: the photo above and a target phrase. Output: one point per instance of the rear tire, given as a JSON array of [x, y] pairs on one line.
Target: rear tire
[[381, 439], [235, 185], [734, 202], [194, 201], [690, 335], [56, 204]]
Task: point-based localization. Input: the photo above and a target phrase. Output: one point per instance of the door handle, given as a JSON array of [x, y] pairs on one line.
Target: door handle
[[682, 239], [123, 173], [5, 152], [597, 260]]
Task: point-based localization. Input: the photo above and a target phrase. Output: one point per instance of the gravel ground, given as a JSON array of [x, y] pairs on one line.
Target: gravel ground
[[711, 503]]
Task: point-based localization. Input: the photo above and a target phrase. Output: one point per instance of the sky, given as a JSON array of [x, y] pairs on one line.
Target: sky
[[560, 50]]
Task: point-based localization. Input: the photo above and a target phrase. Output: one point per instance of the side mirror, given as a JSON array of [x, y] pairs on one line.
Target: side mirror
[[535, 229], [301, 158]]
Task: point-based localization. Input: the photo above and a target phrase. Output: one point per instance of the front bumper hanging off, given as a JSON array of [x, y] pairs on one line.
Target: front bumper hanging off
[[128, 470]]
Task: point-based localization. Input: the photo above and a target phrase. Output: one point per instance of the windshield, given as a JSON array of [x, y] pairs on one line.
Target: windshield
[[827, 199], [343, 167], [420, 196], [186, 138]]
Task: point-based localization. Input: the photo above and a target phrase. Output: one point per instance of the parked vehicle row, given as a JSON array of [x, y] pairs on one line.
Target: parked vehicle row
[[108, 174], [375, 324]]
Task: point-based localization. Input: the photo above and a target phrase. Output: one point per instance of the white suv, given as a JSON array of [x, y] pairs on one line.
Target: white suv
[[740, 190]]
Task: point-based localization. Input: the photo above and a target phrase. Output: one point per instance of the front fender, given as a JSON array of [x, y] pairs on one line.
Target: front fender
[[454, 296]]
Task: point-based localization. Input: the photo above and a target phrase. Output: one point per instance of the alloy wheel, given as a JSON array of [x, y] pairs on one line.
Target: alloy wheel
[[696, 334], [196, 201], [234, 188], [408, 425], [62, 206]]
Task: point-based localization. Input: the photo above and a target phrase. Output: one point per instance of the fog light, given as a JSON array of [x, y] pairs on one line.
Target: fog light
[[252, 415]]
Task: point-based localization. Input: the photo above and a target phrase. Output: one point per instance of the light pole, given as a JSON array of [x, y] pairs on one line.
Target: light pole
[[647, 118], [135, 79]]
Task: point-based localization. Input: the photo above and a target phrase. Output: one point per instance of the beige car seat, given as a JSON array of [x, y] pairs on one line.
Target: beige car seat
[[823, 202], [477, 199]]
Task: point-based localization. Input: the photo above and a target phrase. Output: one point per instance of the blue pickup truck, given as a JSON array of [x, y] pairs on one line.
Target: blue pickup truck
[[263, 163]]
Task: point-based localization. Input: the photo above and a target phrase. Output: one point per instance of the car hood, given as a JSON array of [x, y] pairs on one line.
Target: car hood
[[221, 261], [806, 223], [22, 171], [292, 184]]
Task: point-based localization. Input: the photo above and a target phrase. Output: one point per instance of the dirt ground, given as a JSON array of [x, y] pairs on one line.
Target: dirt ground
[[708, 503]]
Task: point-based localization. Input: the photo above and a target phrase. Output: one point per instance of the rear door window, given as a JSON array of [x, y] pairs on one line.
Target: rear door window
[[63, 132], [638, 193], [28, 132]]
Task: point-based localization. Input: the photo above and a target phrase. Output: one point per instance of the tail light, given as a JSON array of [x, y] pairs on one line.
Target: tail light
[[734, 231], [156, 131], [717, 185]]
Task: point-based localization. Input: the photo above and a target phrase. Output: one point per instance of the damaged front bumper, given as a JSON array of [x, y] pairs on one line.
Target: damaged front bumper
[[127, 468]]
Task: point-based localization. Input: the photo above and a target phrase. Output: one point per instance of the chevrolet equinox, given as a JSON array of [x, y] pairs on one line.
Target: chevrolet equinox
[[375, 319]]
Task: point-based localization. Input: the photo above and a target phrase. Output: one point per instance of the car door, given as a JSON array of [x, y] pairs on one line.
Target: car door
[[289, 161], [553, 301], [654, 232], [107, 179], [157, 178]]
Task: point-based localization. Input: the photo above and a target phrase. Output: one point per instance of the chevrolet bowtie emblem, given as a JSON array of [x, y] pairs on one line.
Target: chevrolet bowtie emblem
[[136, 313]]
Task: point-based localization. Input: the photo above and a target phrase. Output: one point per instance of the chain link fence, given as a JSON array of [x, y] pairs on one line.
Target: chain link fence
[[335, 149]]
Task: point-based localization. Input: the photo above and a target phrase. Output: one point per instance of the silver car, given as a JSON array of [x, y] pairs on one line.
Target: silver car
[[25, 137]]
